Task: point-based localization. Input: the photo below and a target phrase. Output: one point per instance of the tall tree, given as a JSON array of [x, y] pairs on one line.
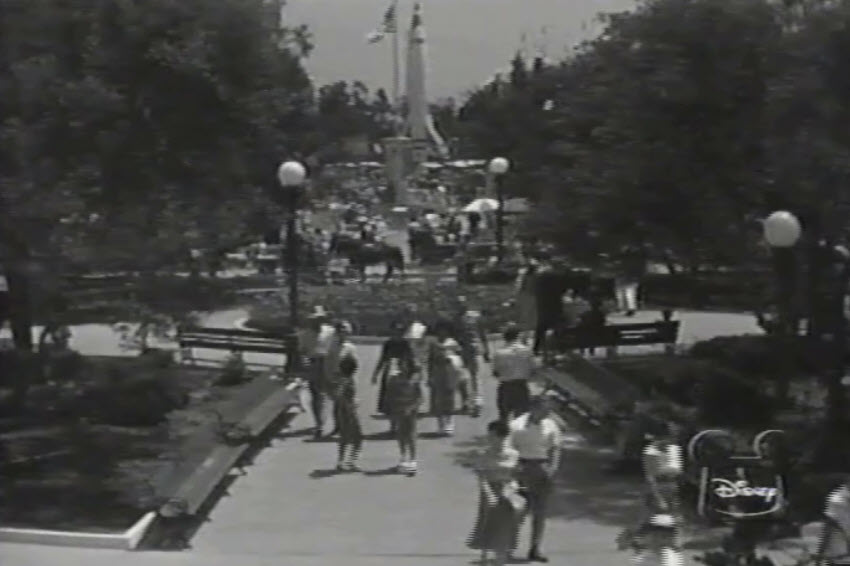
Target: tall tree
[[128, 127]]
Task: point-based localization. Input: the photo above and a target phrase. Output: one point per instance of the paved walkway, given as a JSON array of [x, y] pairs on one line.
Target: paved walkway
[[291, 509]]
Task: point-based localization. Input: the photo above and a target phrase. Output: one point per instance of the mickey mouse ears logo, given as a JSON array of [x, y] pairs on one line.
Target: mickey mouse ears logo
[[714, 443]]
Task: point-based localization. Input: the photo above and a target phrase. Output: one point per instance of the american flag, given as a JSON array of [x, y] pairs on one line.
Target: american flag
[[388, 25]]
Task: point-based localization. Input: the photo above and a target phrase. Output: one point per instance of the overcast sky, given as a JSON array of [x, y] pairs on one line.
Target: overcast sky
[[468, 40]]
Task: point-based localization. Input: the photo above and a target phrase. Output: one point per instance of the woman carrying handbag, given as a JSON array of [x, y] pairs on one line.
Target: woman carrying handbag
[[501, 505]]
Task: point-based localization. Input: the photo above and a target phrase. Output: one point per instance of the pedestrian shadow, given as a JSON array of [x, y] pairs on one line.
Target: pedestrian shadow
[[295, 433], [468, 451], [322, 440], [325, 473], [391, 471], [432, 435], [371, 437]]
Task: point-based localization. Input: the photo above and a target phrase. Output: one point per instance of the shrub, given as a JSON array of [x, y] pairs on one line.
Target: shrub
[[64, 366], [132, 394], [372, 307], [233, 372], [727, 398], [157, 358], [766, 357], [720, 396]]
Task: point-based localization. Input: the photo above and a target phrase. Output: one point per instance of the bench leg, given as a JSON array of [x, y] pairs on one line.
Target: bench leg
[[187, 355]]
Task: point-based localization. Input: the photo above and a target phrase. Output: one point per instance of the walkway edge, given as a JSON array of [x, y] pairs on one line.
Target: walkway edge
[[240, 324], [128, 540]]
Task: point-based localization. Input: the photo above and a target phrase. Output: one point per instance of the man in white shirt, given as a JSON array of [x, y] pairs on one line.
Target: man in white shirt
[[537, 438], [513, 367], [317, 345]]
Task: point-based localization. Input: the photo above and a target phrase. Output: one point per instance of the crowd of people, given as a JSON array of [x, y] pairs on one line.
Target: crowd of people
[[444, 357]]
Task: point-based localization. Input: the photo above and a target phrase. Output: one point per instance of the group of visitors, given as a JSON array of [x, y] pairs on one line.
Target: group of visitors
[[516, 469], [443, 356]]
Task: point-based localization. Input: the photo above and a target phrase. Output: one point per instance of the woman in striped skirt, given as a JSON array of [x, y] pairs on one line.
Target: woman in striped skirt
[[500, 505]]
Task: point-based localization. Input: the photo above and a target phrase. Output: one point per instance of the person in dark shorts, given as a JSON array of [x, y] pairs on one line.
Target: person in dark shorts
[[513, 367]]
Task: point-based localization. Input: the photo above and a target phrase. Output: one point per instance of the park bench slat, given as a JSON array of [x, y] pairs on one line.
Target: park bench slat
[[234, 340], [259, 349], [230, 339], [191, 330], [587, 397], [194, 492], [260, 418], [618, 335]]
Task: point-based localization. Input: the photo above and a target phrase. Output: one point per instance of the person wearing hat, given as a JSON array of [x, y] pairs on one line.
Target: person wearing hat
[[317, 343], [538, 439], [513, 367]]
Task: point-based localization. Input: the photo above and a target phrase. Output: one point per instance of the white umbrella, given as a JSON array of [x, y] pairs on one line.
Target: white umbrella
[[482, 205]]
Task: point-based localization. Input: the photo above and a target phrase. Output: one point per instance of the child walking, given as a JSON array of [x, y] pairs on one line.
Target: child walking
[[350, 431], [404, 395]]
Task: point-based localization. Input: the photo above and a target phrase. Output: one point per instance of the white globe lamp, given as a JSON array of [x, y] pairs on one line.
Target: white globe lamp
[[499, 165], [782, 229], [291, 174]]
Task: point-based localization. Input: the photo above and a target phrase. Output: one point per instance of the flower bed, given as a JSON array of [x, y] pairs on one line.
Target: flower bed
[[92, 453], [372, 307]]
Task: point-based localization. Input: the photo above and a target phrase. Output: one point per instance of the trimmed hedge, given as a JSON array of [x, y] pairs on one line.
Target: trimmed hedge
[[721, 396], [372, 307], [720, 289]]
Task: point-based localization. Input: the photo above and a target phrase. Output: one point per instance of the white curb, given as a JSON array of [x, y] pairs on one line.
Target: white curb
[[128, 540]]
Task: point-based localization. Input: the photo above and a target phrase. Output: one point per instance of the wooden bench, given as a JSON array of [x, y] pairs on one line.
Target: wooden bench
[[592, 391], [191, 497], [611, 336], [230, 339]]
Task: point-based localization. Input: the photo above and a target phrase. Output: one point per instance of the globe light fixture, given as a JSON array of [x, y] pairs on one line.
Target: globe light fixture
[[291, 174], [782, 229], [499, 166]]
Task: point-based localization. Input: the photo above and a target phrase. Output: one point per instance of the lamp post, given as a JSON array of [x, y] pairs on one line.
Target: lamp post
[[291, 175], [499, 166], [782, 232]]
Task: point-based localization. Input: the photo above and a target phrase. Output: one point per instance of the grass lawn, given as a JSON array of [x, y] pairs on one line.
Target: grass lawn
[[67, 465]]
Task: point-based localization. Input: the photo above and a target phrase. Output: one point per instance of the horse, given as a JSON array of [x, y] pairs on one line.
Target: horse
[[363, 254]]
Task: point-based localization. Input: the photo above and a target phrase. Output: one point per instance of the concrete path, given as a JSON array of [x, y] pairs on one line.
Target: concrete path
[[291, 508]]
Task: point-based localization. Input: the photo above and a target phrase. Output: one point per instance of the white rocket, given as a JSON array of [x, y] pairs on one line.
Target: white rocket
[[418, 123]]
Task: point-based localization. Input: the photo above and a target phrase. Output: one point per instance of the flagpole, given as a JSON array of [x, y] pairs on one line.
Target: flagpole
[[396, 71]]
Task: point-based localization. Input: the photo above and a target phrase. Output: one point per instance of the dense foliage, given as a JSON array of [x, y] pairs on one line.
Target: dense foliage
[[132, 132], [678, 127]]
